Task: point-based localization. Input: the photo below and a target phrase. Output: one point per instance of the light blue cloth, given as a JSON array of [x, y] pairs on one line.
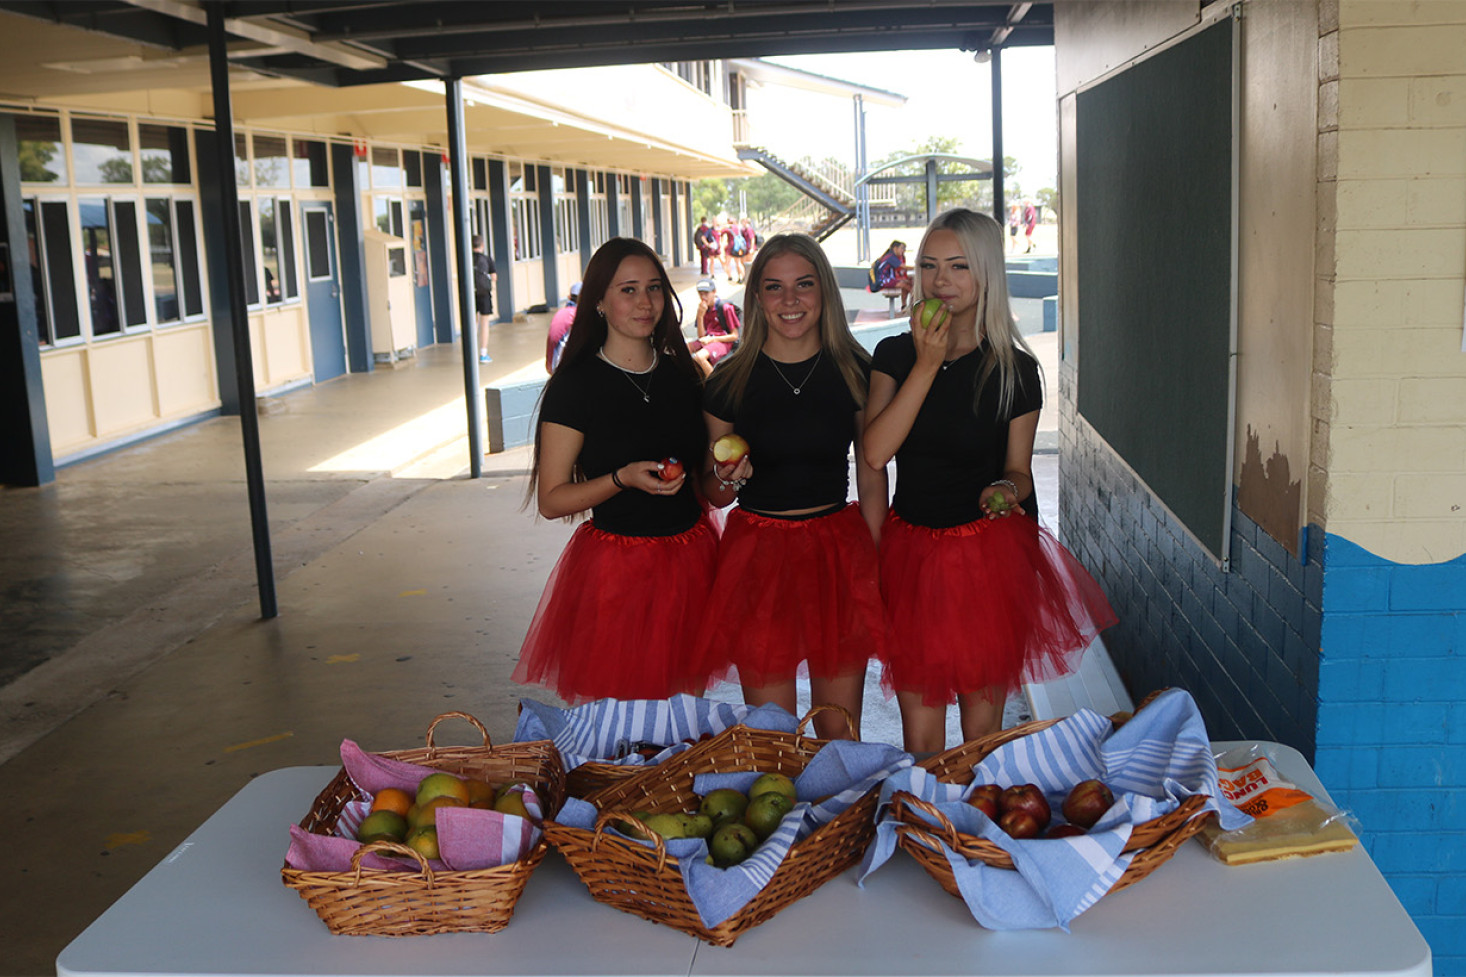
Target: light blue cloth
[[1153, 763], [592, 732], [842, 769]]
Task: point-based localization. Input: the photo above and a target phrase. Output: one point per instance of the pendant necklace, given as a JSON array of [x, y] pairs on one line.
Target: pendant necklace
[[646, 392], [791, 386]]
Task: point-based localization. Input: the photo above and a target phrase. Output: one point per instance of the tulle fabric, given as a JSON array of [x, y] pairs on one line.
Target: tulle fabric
[[619, 617], [991, 603], [793, 591]]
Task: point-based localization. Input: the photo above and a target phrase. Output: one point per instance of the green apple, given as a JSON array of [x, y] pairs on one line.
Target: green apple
[[931, 313], [772, 782], [723, 804], [765, 812], [731, 844], [666, 825]]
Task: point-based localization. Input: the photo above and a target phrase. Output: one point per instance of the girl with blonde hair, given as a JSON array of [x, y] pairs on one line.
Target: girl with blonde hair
[[796, 584], [978, 601]]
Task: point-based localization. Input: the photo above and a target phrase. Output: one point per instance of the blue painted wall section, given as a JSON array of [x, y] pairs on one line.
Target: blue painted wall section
[[1392, 727], [1357, 661]]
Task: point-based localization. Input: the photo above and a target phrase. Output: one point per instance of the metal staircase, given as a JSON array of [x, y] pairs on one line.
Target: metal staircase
[[829, 186]]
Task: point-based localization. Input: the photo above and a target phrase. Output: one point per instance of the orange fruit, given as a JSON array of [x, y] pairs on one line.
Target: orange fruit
[[392, 799], [481, 793]]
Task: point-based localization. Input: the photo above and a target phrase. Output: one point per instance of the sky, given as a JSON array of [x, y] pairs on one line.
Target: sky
[[948, 94]]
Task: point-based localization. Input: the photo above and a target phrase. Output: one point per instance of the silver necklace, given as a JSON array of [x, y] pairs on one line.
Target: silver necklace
[[646, 392], [791, 386]]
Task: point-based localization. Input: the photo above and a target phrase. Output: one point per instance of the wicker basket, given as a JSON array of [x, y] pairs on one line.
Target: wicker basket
[[647, 882], [1153, 841], [366, 902]]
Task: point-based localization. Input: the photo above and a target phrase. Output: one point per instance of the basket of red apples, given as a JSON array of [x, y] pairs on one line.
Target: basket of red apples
[[1023, 811]]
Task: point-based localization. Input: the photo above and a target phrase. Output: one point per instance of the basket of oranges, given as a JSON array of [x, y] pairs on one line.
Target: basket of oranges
[[353, 861], [615, 841]]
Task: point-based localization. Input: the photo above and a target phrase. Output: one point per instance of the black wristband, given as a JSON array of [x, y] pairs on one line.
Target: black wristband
[[616, 479]]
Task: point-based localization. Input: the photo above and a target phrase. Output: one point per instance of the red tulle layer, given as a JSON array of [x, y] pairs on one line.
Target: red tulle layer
[[991, 603], [792, 591], [619, 617]]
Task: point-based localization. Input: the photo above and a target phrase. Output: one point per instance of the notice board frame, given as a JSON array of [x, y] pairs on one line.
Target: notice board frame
[[1156, 185]]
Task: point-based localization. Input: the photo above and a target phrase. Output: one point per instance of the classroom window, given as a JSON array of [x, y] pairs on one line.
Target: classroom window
[[317, 244], [309, 163], [188, 258], [277, 250], [247, 246], [386, 168], [166, 305], [101, 276], [128, 262], [241, 160], [272, 162], [42, 154], [480, 173], [163, 151], [48, 236], [412, 167], [387, 212], [101, 151]]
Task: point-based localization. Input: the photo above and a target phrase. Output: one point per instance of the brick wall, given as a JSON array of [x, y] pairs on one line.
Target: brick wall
[[1244, 643], [1391, 742]]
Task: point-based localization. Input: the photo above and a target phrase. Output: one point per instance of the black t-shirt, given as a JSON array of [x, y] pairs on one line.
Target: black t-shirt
[[799, 444], [954, 451], [605, 404]]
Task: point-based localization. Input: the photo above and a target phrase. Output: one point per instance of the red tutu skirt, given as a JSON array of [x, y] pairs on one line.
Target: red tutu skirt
[[792, 591], [619, 617], [991, 603]]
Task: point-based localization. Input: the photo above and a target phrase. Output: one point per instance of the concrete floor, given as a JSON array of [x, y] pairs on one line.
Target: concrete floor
[[140, 689]]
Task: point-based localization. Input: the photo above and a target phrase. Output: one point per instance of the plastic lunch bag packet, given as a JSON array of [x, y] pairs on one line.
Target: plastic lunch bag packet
[[1288, 821]]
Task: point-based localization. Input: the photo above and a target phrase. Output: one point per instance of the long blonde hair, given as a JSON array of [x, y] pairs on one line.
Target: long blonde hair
[[981, 239], [730, 380]]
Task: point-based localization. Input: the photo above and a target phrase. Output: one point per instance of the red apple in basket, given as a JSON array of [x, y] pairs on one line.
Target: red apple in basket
[[984, 797], [1065, 831], [729, 449], [1028, 799], [1087, 803], [671, 470], [1020, 823]]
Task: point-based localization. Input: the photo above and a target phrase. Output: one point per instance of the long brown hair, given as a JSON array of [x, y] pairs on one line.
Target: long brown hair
[[835, 338], [588, 329]]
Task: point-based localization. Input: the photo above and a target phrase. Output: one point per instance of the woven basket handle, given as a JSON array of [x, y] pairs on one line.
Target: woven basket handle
[[944, 825], [390, 848], [823, 707], [920, 836], [603, 821], [459, 715]]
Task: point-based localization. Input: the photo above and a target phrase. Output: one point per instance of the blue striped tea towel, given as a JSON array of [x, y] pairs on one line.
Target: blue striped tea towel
[[1152, 763], [597, 731], [835, 777]]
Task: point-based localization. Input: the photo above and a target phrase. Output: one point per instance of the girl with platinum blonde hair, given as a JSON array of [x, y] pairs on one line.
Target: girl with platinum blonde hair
[[978, 601]]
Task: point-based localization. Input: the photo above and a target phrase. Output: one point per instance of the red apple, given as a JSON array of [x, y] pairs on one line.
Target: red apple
[[729, 449], [985, 798], [931, 313], [1029, 799], [1087, 803], [1064, 831], [671, 470], [1020, 824]]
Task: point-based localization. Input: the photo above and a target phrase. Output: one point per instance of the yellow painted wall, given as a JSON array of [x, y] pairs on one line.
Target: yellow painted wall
[[1390, 380]]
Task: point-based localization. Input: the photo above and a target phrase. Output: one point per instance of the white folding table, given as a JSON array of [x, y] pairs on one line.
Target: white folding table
[[216, 906]]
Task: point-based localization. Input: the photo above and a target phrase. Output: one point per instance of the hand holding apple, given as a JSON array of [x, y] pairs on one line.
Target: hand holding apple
[[729, 449], [671, 470], [930, 313]]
